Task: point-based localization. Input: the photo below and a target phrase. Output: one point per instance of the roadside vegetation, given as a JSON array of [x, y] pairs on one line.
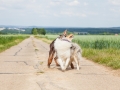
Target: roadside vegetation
[[44, 38], [40, 31], [6, 41], [103, 49]]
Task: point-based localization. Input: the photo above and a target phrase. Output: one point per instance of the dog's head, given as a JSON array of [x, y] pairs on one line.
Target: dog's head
[[70, 37], [67, 37], [63, 35]]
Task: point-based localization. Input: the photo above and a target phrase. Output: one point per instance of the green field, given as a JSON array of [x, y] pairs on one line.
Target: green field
[[6, 41], [103, 49]]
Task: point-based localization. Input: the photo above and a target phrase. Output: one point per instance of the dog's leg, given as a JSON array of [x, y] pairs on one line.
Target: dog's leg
[[64, 63], [77, 62], [61, 63], [72, 66], [67, 63], [56, 61], [50, 57], [70, 63], [79, 57], [51, 53]]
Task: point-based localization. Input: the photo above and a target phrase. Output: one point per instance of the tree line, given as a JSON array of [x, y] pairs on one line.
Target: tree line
[[0, 32], [36, 31]]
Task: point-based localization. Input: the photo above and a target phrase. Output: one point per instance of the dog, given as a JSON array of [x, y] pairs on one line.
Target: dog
[[63, 47], [76, 54], [52, 50]]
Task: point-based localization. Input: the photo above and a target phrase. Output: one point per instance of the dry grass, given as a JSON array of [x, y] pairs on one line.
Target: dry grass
[[43, 38]]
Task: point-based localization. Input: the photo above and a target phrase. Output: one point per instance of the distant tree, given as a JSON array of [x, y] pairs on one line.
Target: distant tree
[[0, 32], [34, 31], [42, 31], [38, 30]]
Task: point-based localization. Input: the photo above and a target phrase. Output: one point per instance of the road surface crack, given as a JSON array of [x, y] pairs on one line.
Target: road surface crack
[[41, 85], [17, 51], [18, 62]]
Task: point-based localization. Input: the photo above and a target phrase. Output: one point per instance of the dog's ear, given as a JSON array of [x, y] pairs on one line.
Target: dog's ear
[[65, 33], [60, 36], [70, 36]]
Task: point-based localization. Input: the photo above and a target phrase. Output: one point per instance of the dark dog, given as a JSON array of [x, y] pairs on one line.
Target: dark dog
[[52, 51]]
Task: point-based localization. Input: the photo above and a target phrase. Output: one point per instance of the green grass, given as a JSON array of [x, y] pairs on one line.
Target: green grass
[[98, 42], [6, 41], [95, 41], [102, 49], [107, 57]]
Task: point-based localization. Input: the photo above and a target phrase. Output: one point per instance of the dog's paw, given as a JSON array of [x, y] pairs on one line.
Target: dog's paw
[[57, 65], [63, 70], [48, 66], [78, 68]]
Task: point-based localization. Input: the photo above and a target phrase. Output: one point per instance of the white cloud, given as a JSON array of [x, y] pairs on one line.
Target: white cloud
[[65, 2], [114, 2], [73, 14], [18, 4], [12, 4], [85, 4], [54, 3], [74, 3], [2, 8], [115, 10], [25, 11], [56, 15]]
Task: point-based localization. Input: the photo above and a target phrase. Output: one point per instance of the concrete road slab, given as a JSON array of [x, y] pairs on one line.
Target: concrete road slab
[[24, 67]]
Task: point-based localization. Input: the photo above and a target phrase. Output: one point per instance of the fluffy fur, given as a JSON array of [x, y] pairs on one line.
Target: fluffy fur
[[76, 54], [62, 47], [67, 52], [52, 49]]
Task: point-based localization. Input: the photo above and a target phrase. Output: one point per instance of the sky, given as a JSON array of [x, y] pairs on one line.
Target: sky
[[60, 13]]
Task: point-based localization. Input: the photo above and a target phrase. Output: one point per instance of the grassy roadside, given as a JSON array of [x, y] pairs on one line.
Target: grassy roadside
[[44, 39], [110, 58], [101, 54], [9, 41]]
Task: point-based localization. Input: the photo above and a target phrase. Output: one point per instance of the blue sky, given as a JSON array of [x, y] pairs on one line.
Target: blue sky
[[60, 13]]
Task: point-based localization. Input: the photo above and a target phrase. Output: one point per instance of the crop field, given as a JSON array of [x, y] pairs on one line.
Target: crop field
[[95, 41], [103, 49], [6, 41]]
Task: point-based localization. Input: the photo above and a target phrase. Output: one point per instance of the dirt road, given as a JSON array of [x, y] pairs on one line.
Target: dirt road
[[24, 67]]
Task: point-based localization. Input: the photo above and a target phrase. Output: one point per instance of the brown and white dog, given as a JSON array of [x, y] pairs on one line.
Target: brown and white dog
[[76, 54], [52, 49], [67, 52], [63, 49]]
